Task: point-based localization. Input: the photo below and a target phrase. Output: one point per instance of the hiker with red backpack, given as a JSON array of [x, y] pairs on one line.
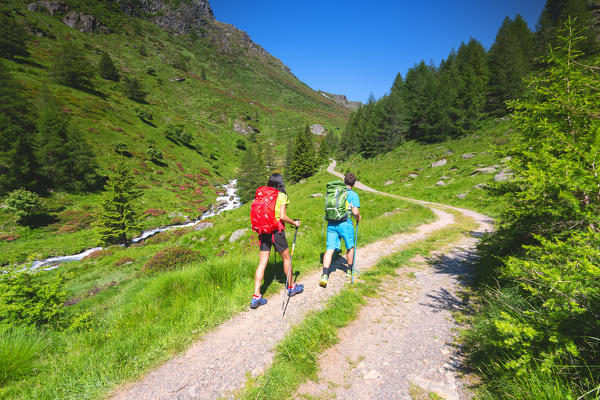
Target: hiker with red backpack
[[268, 217], [341, 202]]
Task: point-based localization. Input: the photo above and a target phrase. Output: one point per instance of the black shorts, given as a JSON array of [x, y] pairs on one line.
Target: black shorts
[[266, 241]]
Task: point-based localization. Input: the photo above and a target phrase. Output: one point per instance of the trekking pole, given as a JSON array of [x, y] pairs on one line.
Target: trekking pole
[[354, 257], [289, 273]]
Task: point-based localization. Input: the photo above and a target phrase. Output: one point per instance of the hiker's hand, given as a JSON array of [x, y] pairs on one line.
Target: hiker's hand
[[297, 223]]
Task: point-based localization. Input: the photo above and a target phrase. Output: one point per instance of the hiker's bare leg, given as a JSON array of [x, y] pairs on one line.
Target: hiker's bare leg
[[287, 263], [260, 270], [327, 257], [350, 257]]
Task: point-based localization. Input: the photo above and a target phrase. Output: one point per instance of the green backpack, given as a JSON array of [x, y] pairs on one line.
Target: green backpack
[[335, 201]]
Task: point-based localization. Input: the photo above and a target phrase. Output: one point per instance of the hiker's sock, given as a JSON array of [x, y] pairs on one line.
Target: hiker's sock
[[326, 271]]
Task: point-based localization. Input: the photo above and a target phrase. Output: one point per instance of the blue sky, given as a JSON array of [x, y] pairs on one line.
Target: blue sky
[[357, 47]]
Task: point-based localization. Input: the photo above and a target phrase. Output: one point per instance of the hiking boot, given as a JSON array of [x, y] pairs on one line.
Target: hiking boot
[[257, 302], [323, 281], [297, 289], [349, 272]]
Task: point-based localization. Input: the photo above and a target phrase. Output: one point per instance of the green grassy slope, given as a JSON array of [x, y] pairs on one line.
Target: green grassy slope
[[458, 174], [242, 86]]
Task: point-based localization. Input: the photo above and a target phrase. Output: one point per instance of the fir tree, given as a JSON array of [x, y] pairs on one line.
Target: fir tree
[[12, 38], [64, 160], [118, 220], [324, 152], [132, 88], [303, 163], [71, 67], [17, 164], [556, 13], [251, 175], [510, 60], [107, 68]]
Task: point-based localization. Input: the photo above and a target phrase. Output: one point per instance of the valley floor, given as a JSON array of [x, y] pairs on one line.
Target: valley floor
[[400, 341]]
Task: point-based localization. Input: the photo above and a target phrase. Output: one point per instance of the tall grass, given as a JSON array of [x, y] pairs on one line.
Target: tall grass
[[20, 348]]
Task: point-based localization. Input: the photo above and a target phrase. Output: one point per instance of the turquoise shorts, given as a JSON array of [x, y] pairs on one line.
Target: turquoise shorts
[[336, 232]]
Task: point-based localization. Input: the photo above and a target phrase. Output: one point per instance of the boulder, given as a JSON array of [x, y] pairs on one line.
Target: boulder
[[302, 181], [203, 225], [468, 156], [317, 129], [448, 152], [506, 159], [503, 175], [462, 195], [237, 235], [444, 178], [388, 183], [440, 183], [315, 195], [439, 163], [413, 176], [480, 185], [484, 170]]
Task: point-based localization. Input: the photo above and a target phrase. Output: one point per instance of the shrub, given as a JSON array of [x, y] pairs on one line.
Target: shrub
[[25, 301], [123, 260], [24, 204], [145, 115], [170, 258], [173, 131], [153, 153], [120, 148], [155, 212], [20, 348]]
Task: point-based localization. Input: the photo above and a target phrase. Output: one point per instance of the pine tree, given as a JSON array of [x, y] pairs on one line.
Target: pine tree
[[107, 68], [251, 175], [12, 38], [71, 67], [118, 220], [132, 88], [473, 69], [556, 13], [510, 60], [17, 164], [64, 160], [324, 152], [303, 162]]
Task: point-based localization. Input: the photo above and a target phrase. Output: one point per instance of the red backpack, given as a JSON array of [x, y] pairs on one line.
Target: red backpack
[[262, 211]]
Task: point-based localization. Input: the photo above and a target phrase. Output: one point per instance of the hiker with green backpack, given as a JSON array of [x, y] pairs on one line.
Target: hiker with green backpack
[[341, 202]]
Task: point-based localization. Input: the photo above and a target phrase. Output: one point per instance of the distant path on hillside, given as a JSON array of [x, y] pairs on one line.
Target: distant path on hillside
[[218, 364]]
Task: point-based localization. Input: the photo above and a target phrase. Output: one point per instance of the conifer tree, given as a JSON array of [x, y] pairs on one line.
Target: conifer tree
[[132, 88], [118, 220], [17, 164], [107, 68], [12, 38], [556, 13], [324, 152], [64, 160], [251, 175], [71, 67], [510, 60], [303, 162]]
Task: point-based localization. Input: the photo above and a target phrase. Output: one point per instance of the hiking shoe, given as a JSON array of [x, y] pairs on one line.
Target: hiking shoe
[[257, 302], [349, 272], [323, 281], [297, 289]]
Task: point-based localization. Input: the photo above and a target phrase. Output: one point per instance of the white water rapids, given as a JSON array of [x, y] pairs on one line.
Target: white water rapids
[[228, 201]]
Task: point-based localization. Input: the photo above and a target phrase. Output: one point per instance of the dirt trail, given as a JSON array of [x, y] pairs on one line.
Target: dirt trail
[[217, 365]]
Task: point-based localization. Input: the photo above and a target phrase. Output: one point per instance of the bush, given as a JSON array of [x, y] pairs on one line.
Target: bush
[[20, 348], [145, 115], [132, 88], [173, 131], [24, 204], [26, 301], [170, 258]]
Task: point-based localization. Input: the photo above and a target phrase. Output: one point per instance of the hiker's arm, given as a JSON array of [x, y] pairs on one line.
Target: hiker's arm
[[356, 213], [287, 219]]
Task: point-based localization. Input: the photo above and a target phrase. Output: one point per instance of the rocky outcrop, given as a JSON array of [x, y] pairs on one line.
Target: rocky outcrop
[[51, 7], [439, 163], [84, 22], [341, 100], [189, 16]]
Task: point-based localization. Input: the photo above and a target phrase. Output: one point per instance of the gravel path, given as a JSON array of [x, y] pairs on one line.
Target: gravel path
[[218, 364]]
